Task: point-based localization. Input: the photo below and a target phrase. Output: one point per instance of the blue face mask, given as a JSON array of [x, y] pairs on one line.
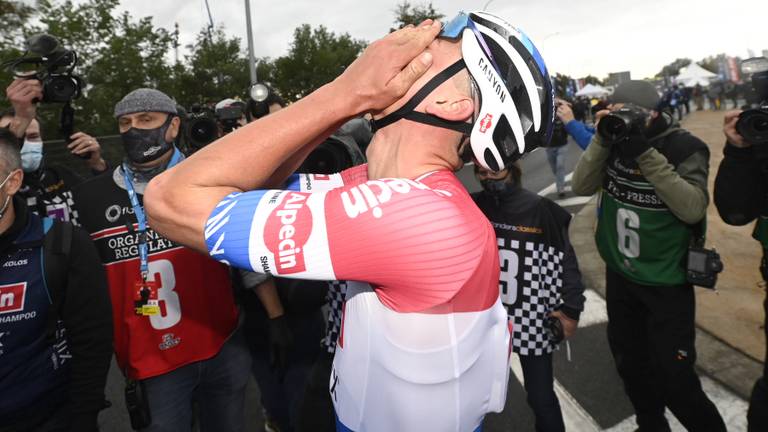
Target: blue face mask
[[31, 155]]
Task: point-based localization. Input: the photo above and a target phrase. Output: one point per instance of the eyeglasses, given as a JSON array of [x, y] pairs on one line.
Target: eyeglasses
[[456, 26]]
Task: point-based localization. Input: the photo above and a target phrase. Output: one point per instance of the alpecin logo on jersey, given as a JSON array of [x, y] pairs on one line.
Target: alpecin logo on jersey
[[284, 238], [372, 194], [12, 297]]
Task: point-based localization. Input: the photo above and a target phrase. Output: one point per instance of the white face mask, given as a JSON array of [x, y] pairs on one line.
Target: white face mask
[[31, 155]]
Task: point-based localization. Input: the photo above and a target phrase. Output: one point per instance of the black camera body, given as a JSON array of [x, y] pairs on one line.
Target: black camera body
[[49, 62], [554, 330], [753, 122], [335, 154], [200, 127], [703, 266], [138, 404], [229, 116], [619, 124]]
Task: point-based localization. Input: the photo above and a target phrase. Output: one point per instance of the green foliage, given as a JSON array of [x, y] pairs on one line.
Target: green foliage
[[406, 13], [561, 84], [591, 79], [216, 69], [315, 58], [710, 63], [673, 69]]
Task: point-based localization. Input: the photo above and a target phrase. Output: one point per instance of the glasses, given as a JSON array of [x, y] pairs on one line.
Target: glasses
[[456, 26]]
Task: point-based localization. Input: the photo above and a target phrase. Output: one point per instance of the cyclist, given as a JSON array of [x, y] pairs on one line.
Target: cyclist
[[424, 343]]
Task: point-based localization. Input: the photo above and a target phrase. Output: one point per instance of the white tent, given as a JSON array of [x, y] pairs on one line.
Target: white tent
[[695, 74], [591, 90]]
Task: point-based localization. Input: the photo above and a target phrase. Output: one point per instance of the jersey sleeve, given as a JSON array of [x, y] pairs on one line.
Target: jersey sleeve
[[326, 182], [414, 244]]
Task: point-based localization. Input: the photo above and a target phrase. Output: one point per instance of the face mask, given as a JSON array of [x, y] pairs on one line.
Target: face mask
[[496, 187], [31, 155], [146, 145], [7, 199]]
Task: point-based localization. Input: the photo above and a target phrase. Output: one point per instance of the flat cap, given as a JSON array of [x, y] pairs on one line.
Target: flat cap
[[145, 100], [636, 92]]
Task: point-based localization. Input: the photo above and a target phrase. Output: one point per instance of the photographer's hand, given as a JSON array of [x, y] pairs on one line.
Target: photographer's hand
[[569, 325], [564, 111], [729, 129], [83, 144], [21, 93]]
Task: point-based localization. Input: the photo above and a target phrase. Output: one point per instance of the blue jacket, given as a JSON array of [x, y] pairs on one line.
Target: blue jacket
[[580, 132]]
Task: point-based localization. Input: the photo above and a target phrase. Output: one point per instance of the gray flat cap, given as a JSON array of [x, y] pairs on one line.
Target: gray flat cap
[[145, 99], [640, 93]]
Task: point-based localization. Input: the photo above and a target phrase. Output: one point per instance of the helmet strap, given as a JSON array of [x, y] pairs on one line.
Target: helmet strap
[[407, 111]]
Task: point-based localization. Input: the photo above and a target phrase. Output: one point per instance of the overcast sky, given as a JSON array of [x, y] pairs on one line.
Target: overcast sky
[[576, 37]]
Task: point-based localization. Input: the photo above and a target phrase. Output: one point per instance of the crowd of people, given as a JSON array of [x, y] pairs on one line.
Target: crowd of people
[[384, 297]]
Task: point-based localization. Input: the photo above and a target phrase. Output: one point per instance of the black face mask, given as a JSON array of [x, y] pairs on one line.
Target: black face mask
[[146, 145], [497, 187]]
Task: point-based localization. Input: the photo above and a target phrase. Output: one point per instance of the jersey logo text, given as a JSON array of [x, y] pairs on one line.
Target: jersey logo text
[[12, 297], [284, 238], [374, 193]]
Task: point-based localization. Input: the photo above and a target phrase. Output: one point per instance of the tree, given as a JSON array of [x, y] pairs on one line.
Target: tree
[[216, 69], [709, 63], [562, 82], [591, 79], [405, 14], [315, 58], [15, 21], [673, 69]]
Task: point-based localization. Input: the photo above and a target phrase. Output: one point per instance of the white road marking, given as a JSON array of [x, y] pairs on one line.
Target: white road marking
[[553, 187], [572, 201], [594, 310]]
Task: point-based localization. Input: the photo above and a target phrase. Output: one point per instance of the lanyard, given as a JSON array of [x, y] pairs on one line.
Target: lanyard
[[141, 218]]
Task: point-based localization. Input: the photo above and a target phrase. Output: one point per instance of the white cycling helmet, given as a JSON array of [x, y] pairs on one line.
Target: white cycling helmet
[[516, 110]]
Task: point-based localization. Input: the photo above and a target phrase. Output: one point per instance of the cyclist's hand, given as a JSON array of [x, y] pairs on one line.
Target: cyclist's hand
[[388, 67]]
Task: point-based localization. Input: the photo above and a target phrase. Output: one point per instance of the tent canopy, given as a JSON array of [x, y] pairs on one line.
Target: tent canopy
[[591, 90], [695, 74]]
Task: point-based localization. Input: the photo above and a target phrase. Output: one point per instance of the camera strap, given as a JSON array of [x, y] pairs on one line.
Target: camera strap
[[141, 217]]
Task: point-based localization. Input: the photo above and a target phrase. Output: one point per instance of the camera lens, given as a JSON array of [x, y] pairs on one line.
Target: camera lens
[[202, 131], [59, 89], [328, 158], [753, 125], [612, 128]]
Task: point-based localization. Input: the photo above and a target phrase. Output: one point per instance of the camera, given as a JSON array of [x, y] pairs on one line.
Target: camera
[[200, 127], [229, 116], [554, 330], [335, 154], [49, 62], [703, 266], [618, 125], [753, 123], [138, 404]]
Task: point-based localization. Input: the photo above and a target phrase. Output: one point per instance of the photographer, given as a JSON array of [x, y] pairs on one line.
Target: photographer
[[577, 129], [652, 179], [540, 283], [176, 322], [741, 196], [47, 188], [55, 324]]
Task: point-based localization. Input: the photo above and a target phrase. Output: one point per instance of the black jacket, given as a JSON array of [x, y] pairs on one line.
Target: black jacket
[[514, 213], [86, 313], [741, 186]]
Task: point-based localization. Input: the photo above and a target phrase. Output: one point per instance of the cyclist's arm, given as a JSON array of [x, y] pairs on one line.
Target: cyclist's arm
[[179, 200], [414, 245]]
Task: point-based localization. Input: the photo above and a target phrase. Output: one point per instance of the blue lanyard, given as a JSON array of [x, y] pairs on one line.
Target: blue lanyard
[[141, 218]]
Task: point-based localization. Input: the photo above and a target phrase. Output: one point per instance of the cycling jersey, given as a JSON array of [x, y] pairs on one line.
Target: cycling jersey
[[424, 342]]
